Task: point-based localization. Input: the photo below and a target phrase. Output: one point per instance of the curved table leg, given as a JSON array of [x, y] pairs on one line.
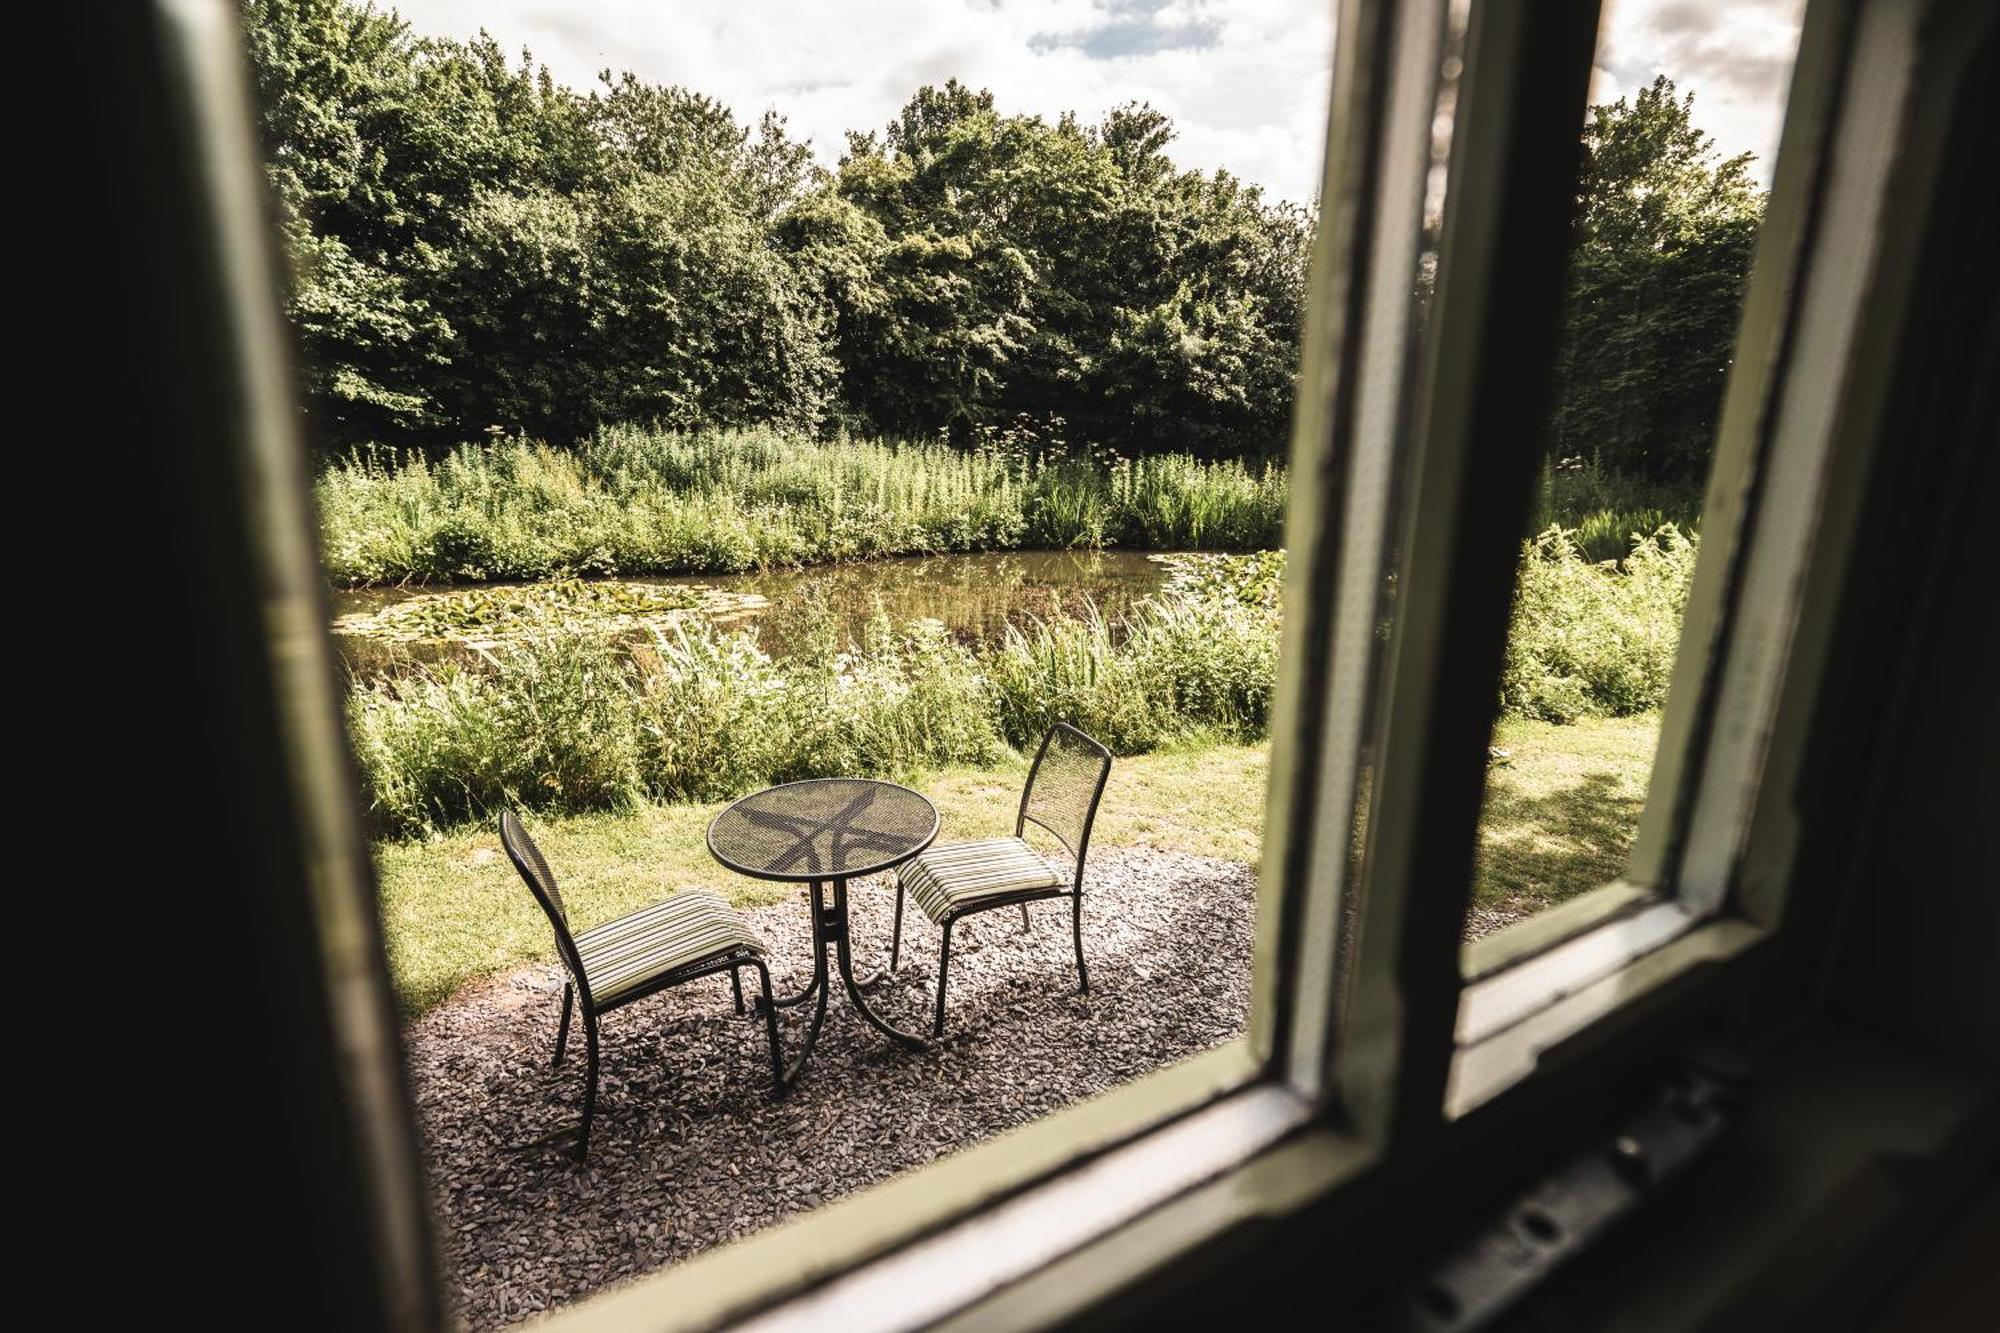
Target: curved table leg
[[846, 960], [805, 993], [821, 984]]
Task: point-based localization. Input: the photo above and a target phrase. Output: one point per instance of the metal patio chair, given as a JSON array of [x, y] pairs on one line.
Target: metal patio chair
[[690, 935], [954, 880]]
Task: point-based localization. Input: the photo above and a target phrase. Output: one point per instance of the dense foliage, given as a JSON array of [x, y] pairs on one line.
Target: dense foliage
[[477, 248], [572, 720], [633, 501], [1664, 237], [575, 719], [1595, 639]]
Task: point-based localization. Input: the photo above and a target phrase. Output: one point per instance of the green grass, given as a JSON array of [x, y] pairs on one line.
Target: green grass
[[633, 501], [1560, 809], [567, 721], [1604, 513], [1559, 817], [454, 910]]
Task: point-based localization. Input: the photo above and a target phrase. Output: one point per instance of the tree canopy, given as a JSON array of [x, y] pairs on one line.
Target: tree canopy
[[476, 247], [1664, 233]]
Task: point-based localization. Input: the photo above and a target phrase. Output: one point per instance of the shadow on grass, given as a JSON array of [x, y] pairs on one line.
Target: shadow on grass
[[1540, 849]]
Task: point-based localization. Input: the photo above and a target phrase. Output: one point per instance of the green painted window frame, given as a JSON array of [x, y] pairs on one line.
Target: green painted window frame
[[1706, 887], [1352, 1054]]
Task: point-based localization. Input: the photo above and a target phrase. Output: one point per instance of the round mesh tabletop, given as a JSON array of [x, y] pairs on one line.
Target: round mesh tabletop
[[828, 828]]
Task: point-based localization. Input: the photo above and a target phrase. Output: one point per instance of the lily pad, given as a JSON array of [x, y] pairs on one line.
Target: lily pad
[[480, 617]]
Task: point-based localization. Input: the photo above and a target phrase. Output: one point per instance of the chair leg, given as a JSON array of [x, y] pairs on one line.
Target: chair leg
[[589, 1087], [896, 931], [944, 965], [1024, 918], [1076, 924], [771, 1032], [736, 985], [562, 1029]]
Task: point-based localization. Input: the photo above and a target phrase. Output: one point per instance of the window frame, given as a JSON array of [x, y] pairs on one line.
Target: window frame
[[1251, 1132], [1710, 871]]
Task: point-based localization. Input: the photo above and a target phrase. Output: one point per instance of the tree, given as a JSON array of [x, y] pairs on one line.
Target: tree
[[1665, 231], [474, 245], [323, 72], [1015, 265]]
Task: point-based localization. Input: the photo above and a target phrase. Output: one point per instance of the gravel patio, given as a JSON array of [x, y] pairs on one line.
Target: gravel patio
[[689, 1148]]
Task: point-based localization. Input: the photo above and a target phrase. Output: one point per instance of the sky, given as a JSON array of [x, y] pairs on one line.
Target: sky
[[1245, 81]]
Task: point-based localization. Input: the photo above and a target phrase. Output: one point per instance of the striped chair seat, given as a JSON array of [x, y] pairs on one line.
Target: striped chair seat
[[621, 956], [951, 876]]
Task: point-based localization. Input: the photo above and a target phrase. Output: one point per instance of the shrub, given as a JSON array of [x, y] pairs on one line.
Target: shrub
[[549, 727], [1587, 639]]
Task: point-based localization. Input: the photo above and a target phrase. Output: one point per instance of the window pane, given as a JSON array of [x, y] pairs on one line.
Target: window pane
[[1679, 145], [731, 424]]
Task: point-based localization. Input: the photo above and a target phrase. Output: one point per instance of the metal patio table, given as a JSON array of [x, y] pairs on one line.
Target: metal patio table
[[824, 832]]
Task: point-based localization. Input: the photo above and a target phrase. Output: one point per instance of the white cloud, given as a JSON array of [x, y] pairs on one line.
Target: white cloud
[[1245, 81], [1735, 57]]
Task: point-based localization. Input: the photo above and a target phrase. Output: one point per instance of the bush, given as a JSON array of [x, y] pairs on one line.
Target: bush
[[549, 728], [1591, 639], [570, 720]]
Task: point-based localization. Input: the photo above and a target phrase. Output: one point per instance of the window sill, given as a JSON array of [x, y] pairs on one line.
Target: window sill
[[1495, 1003], [1545, 930], [917, 1248], [1514, 1018]]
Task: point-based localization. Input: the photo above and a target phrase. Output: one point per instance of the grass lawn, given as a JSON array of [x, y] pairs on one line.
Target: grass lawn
[[1560, 810], [454, 909], [1560, 814]]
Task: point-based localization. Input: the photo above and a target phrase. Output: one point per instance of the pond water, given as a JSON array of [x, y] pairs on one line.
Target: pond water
[[975, 596]]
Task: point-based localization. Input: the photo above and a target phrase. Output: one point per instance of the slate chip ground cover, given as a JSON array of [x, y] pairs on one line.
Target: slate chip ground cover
[[689, 1149]]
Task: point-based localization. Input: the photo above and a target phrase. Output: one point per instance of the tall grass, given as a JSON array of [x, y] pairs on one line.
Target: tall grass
[[1603, 512], [1595, 639], [1175, 670], [569, 721], [635, 501]]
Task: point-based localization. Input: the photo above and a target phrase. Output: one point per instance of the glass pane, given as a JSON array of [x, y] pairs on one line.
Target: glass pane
[[834, 397], [1687, 101]]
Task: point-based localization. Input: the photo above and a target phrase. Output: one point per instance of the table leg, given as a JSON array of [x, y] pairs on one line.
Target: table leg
[[846, 960], [805, 993], [824, 923]]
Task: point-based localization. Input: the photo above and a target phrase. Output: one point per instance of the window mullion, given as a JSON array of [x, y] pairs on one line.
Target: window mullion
[[1483, 417], [1356, 361]]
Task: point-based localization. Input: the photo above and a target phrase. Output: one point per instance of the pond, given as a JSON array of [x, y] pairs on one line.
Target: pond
[[975, 596]]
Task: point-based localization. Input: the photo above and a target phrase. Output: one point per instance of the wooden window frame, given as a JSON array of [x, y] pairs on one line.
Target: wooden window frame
[[1357, 1046]]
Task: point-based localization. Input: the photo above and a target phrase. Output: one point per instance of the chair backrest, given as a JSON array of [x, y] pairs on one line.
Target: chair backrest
[[527, 859], [1064, 786]]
